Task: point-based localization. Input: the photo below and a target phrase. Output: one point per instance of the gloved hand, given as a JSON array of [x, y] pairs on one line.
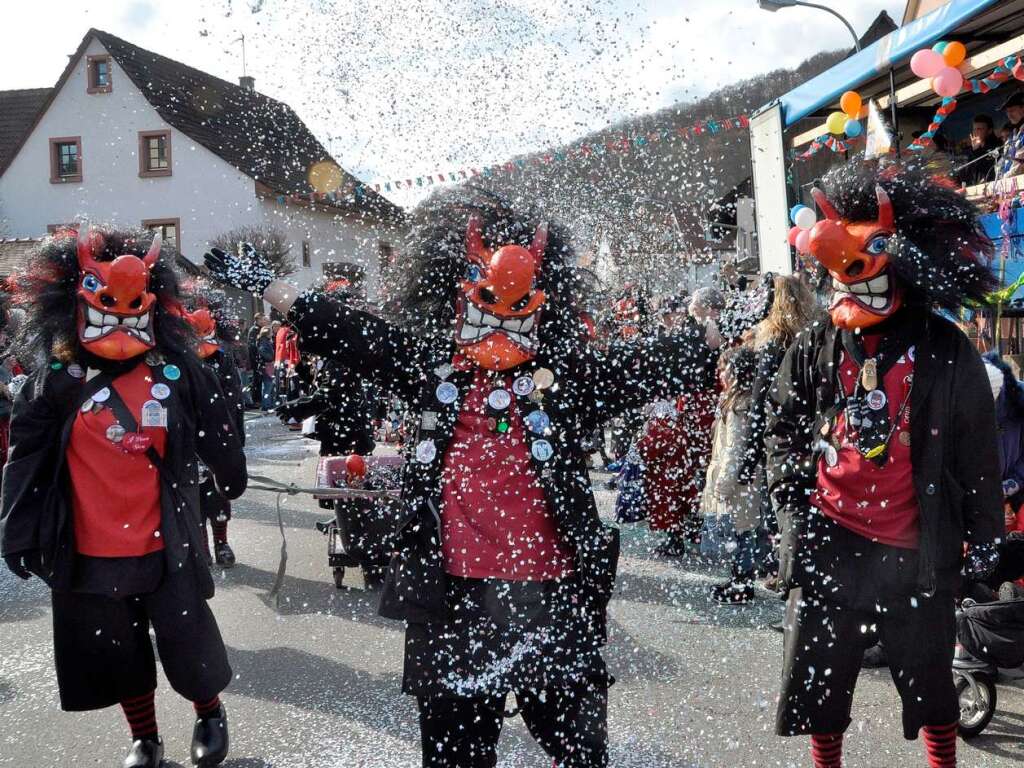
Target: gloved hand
[[246, 269], [301, 408], [1015, 536], [1010, 487], [23, 564], [981, 561]]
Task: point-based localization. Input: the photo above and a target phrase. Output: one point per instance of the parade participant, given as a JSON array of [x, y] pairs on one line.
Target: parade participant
[[881, 447], [214, 334], [118, 415], [503, 568]]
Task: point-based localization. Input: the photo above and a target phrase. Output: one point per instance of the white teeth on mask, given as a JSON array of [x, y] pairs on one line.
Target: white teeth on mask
[[110, 320], [131, 322], [473, 315], [513, 325], [879, 285], [95, 318], [144, 336], [492, 321], [468, 332], [877, 302], [92, 332], [859, 288], [528, 324], [144, 321]]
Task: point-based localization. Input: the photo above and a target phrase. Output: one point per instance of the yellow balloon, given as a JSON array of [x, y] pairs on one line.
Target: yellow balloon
[[836, 123]]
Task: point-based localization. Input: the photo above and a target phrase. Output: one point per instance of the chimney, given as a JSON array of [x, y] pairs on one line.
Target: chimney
[[247, 82]]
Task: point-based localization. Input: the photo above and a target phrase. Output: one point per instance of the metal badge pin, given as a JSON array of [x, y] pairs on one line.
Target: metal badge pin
[[876, 400], [160, 391], [426, 451], [446, 392], [911, 353], [831, 455], [538, 422], [542, 450], [523, 386], [904, 438], [76, 371], [543, 378], [172, 372], [499, 399], [115, 433], [444, 370], [428, 421], [102, 395], [869, 374], [87, 405]]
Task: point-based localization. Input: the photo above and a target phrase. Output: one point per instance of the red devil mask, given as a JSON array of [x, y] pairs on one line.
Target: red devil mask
[[205, 326], [115, 306], [499, 307], [865, 289]]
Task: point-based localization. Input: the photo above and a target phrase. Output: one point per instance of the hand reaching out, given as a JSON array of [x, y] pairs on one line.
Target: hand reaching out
[[246, 269]]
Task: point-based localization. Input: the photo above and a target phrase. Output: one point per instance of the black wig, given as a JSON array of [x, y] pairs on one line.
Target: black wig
[[436, 258], [47, 291], [940, 251]]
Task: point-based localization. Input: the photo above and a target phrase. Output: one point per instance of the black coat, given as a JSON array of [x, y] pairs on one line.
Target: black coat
[[953, 446], [590, 387], [36, 513], [343, 418], [769, 358]]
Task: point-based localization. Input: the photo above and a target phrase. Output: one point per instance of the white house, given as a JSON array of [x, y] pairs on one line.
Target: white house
[[132, 138]]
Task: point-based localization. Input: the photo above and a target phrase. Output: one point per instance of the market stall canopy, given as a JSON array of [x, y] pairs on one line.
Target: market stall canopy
[[961, 16]]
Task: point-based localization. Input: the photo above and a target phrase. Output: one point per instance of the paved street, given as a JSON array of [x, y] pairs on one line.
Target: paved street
[[317, 678]]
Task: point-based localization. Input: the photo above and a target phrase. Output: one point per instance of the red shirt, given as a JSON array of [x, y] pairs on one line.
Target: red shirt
[[115, 495], [878, 503], [286, 346], [495, 519]]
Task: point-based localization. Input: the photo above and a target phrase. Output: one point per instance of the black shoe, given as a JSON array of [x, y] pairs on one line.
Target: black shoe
[[739, 590], [145, 753], [875, 657], [224, 555], [210, 739]]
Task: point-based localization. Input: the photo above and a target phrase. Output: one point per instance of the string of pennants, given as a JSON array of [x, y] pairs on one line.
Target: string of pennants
[[831, 142], [625, 144]]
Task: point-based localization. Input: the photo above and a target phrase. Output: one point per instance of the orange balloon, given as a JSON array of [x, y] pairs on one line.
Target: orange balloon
[[955, 54], [851, 103]]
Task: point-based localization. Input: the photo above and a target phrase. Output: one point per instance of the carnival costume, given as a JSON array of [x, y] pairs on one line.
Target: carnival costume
[[503, 569], [214, 335], [100, 493], [882, 457]]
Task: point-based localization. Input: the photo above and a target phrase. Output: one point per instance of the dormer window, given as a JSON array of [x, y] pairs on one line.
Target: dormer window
[[154, 153], [98, 68]]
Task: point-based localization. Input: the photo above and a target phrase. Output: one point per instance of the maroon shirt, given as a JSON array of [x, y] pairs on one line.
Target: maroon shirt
[[495, 520], [878, 503]]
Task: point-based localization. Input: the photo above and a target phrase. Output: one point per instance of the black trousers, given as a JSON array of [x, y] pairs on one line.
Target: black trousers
[[1011, 563], [569, 723], [104, 655], [824, 648]]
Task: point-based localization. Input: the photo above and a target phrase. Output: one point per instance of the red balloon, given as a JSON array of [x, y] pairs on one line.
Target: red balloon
[[793, 233], [355, 465]]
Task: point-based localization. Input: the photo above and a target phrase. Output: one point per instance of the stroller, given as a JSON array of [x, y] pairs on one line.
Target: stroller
[[367, 512], [990, 638]]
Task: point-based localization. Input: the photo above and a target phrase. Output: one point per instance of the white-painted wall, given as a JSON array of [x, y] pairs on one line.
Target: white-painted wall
[[206, 193]]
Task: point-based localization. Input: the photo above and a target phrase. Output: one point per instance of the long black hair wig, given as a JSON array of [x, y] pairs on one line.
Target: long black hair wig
[[940, 251], [435, 255], [47, 291]]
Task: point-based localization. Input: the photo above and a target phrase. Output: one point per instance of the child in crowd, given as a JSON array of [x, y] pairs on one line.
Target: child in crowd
[[724, 495]]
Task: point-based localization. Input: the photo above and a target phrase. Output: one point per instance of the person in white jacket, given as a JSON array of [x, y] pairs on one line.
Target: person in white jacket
[[724, 494]]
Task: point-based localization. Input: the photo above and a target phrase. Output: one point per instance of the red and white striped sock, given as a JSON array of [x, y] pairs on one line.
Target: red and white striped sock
[[827, 750], [140, 713], [220, 531], [940, 745]]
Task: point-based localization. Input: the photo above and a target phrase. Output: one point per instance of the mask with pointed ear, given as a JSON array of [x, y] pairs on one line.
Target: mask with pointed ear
[[865, 290], [499, 305], [115, 305]]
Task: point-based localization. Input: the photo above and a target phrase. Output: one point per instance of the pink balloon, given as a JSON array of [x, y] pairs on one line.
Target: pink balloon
[[803, 241], [948, 82], [927, 63], [794, 232]]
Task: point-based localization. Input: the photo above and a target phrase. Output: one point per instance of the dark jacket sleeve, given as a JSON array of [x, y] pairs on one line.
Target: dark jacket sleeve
[[768, 361], [217, 443], [634, 374], [330, 328], [975, 465], [231, 386], [36, 426]]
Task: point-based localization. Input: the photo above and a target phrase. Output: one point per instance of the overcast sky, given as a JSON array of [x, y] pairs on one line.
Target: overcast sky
[[401, 88]]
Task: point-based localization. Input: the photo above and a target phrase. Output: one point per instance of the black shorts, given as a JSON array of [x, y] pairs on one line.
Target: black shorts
[[824, 648], [104, 655]]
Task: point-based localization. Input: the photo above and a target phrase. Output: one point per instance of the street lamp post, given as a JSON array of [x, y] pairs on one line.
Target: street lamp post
[[774, 5]]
